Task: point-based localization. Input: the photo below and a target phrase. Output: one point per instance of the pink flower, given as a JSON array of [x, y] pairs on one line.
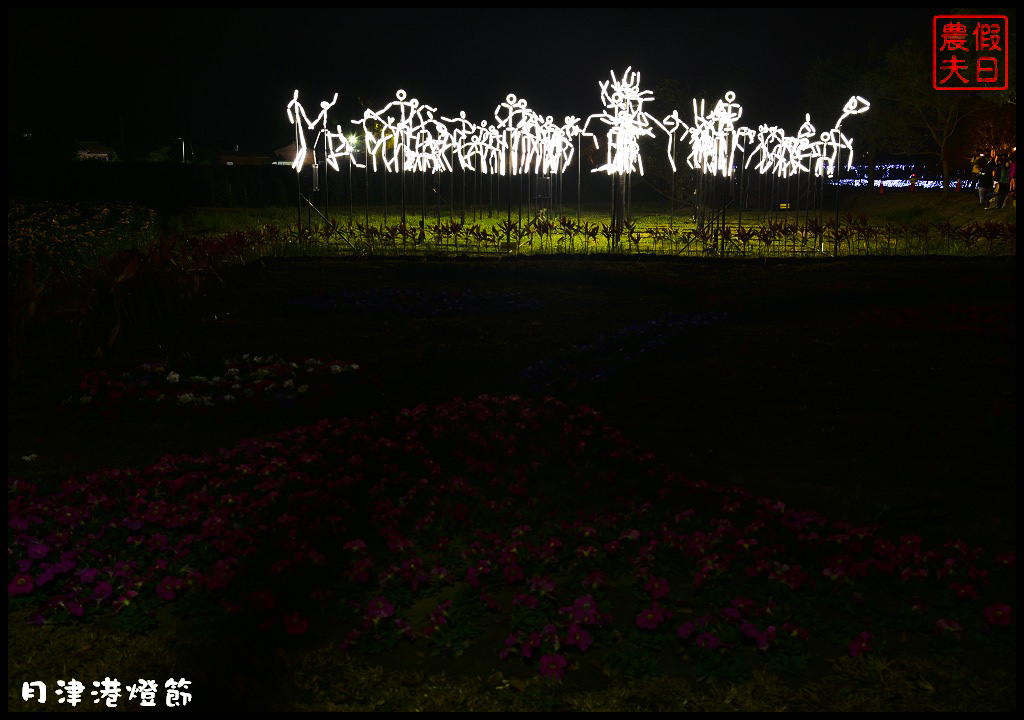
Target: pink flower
[[380, 608], [38, 550], [965, 591], [860, 645], [951, 627], [766, 638], [651, 617], [103, 590], [686, 630], [656, 587], [584, 610], [998, 614], [262, 599], [708, 641], [553, 666], [22, 584], [513, 573], [579, 637], [295, 624]]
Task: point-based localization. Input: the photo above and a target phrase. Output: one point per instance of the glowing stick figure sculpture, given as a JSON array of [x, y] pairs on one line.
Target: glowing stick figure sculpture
[[627, 122], [405, 135], [714, 138]]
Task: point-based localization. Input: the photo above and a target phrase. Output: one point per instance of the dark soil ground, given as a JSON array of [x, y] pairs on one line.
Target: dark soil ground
[[880, 391]]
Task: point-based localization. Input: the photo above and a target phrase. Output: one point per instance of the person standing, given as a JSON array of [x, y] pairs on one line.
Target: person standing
[[986, 187], [1003, 188]]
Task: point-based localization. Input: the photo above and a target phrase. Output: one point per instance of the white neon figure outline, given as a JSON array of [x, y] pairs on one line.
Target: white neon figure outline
[[295, 117], [459, 136], [521, 141], [627, 122]]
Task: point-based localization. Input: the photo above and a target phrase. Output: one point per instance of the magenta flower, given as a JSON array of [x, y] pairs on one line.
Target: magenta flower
[[766, 638], [513, 573], [579, 637], [948, 627], [584, 610], [708, 641], [651, 617], [22, 584], [553, 666], [686, 630], [998, 614], [262, 599], [295, 624], [165, 589], [38, 550], [656, 587], [860, 645], [103, 590], [379, 608]]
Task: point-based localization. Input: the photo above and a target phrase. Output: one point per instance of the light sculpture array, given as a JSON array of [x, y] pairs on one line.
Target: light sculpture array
[[406, 136]]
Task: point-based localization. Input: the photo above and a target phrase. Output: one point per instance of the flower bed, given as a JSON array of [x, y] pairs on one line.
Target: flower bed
[[526, 530]]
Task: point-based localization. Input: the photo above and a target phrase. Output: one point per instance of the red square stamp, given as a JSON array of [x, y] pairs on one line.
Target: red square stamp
[[970, 52]]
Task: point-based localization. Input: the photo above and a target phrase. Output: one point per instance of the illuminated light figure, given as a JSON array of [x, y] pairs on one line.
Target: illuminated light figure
[[391, 142], [513, 127], [429, 140], [833, 141], [339, 146], [296, 114], [522, 141], [627, 122], [672, 123], [714, 137], [570, 131], [462, 139]]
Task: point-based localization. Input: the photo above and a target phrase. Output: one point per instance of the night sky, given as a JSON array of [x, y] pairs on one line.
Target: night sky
[[223, 77]]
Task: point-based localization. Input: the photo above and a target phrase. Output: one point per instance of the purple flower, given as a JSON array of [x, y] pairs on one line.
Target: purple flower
[[22, 584], [686, 630], [708, 641], [998, 614], [950, 627], [860, 645], [651, 617], [295, 624], [38, 550], [656, 587], [553, 666], [579, 637], [380, 608]]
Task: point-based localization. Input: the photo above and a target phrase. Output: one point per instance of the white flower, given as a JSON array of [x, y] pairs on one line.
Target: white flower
[[186, 398], [173, 377], [30, 458]]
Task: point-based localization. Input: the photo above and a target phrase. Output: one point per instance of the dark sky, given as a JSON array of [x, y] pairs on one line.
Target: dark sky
[[223, 77]]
